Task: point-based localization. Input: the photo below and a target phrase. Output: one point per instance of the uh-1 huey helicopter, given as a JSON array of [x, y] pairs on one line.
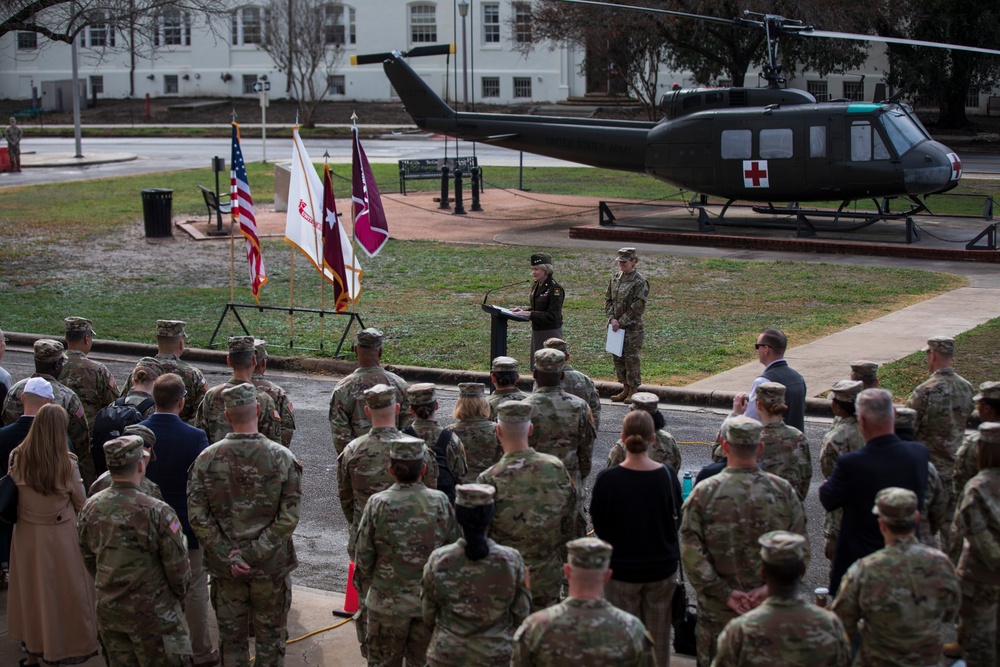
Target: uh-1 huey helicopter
[[771, 144]]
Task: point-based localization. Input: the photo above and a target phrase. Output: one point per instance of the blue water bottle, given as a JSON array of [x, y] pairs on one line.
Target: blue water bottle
[[688, 484]]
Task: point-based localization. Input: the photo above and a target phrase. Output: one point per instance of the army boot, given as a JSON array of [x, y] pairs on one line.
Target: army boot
[[629, 390], [952, 650], [622, 395]]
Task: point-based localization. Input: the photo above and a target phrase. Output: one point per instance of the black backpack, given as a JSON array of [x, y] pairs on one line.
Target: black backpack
[[110, 422], [446, 478]]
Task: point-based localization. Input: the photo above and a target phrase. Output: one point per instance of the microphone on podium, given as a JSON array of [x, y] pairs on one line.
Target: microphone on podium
[[493, 289]]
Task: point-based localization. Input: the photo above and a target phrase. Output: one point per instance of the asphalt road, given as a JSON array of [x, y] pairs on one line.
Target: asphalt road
[[321, 537]]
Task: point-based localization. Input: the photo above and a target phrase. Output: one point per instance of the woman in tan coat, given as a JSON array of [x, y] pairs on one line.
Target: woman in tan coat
[[50, 605]]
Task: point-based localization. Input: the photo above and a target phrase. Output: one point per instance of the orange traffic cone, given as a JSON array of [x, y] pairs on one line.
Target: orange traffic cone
[[350, 596]]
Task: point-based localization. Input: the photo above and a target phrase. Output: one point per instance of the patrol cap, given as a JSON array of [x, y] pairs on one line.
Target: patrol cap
[[942, 344], [474, 495], [549, 360], [895, 505], [472, 390], [514, 412], [380, 396], [864, 370], [260, 347], [79, 325], [239, 344], [407, 448], [626, 254], [504, 364], [780, 547], [39, 387], [741, 430], [556, 344], [771, 392], [421, 394], [589, 553], [48, 350], [990, 390], [151, 363], [846, 390], [369, 338], [989, 433], [541, 258], [123, 450], [242, 394], [171, 329], [148, 437], [645, 400], [905, 418]]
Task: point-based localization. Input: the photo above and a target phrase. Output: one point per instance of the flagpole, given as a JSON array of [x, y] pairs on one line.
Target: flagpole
[[322, 248], [354, 126], [233, 212]]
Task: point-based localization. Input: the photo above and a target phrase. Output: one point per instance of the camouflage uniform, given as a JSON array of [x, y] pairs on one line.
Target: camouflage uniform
[[347, 404], [429, 431], [286, 410], [966, 462], [135, 549], [244, 494], [502, 396], [479, 438], [663, 450], [399, 529], [536, 514], [576, 383], [583, 632], [151, 489], [473, 607], [932, 519], [625, 301], [211, 414], [845, 437], [90, 380], [194, 380], [723, 518], [898, 598], [977, 528], [786, 454]]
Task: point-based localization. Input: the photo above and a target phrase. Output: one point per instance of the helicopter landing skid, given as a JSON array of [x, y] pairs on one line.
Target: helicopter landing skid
[[865, 218]]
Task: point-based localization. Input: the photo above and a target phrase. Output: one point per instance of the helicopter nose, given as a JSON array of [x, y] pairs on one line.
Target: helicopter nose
[[931, 167]]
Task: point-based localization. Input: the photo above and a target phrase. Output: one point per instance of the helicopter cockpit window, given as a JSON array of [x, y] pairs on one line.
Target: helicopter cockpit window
[[817, 141], [866, 144], [775, 144], [736, 144], [903, 132]]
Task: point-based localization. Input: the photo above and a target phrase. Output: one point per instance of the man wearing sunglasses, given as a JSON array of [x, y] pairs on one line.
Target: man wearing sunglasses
[[770, 346]]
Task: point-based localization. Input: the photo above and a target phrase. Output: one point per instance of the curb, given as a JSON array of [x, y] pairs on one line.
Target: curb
[[815, 407]]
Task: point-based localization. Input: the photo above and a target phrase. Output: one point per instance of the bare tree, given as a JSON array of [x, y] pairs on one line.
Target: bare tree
[[306, 38]]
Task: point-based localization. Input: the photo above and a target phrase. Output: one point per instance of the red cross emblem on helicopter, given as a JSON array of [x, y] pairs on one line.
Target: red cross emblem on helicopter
[[956, 166], [755, 174]]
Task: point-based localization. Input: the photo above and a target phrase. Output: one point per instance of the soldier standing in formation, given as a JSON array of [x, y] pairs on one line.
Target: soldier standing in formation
[[545, 303], [842, 438], [475, 591], [967, 457], [133, 546], [399, 529], [170, 339], [624, 305], [504, 375], [897, 599], [786, 452], [277, 394], [723, 518], [943, 404], [146, 485], [442, 442], [576, 383], [474, 428], [211, 414], [584, 630], [146, 371], [931, 520], [244, 497], [536, 511], [49, 361], [664, 449], [865, 372], [977, 529], [347, 403], [785, 630], [90, 380]]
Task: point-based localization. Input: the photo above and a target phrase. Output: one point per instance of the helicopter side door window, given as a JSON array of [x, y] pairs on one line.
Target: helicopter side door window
[[817, 141], [866, 144], [736, 144], [775, 144]]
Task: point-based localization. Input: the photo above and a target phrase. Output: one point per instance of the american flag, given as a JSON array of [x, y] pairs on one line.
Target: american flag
[[242, 211]]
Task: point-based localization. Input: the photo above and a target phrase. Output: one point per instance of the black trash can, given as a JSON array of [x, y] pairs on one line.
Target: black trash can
[[156, 209]]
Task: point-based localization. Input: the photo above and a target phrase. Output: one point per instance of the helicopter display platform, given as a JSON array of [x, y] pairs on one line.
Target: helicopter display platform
[[797, 229]]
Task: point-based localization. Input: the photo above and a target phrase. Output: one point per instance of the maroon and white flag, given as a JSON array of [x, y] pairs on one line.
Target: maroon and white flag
[[371, 230]]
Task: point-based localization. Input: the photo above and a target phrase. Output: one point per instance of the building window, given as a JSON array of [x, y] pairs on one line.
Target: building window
[[248, 26], [100, 34], [249, 81], [335, 84], [972, 102], [96, 85], [170, 85], [818, 90], [491, 23], [27, 41], [522, 86], [854, 91], [423, 24], [491, 86], [173, 28], [338, 25], [522, 22]]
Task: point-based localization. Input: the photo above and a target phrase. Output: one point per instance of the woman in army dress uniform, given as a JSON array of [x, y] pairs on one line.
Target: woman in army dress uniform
[[545, 309]]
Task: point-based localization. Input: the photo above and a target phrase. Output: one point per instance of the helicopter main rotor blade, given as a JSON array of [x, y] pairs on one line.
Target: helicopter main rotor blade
[[891, 40], [653, 10]]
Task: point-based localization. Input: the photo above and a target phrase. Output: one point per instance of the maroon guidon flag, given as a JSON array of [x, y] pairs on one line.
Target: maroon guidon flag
[[370, 227], [333, 250]]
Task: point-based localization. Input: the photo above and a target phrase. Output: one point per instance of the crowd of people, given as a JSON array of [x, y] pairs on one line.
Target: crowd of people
[[471, 543]]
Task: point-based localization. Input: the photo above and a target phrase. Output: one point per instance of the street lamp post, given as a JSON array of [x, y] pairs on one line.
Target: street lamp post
[[463, 10]]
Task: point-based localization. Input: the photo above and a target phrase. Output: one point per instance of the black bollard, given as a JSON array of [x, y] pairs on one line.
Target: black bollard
[[459, 206], [475, 190], [444, 188]]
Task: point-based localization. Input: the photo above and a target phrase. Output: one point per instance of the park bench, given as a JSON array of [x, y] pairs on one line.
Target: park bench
[[213, 204], [421, 170]]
